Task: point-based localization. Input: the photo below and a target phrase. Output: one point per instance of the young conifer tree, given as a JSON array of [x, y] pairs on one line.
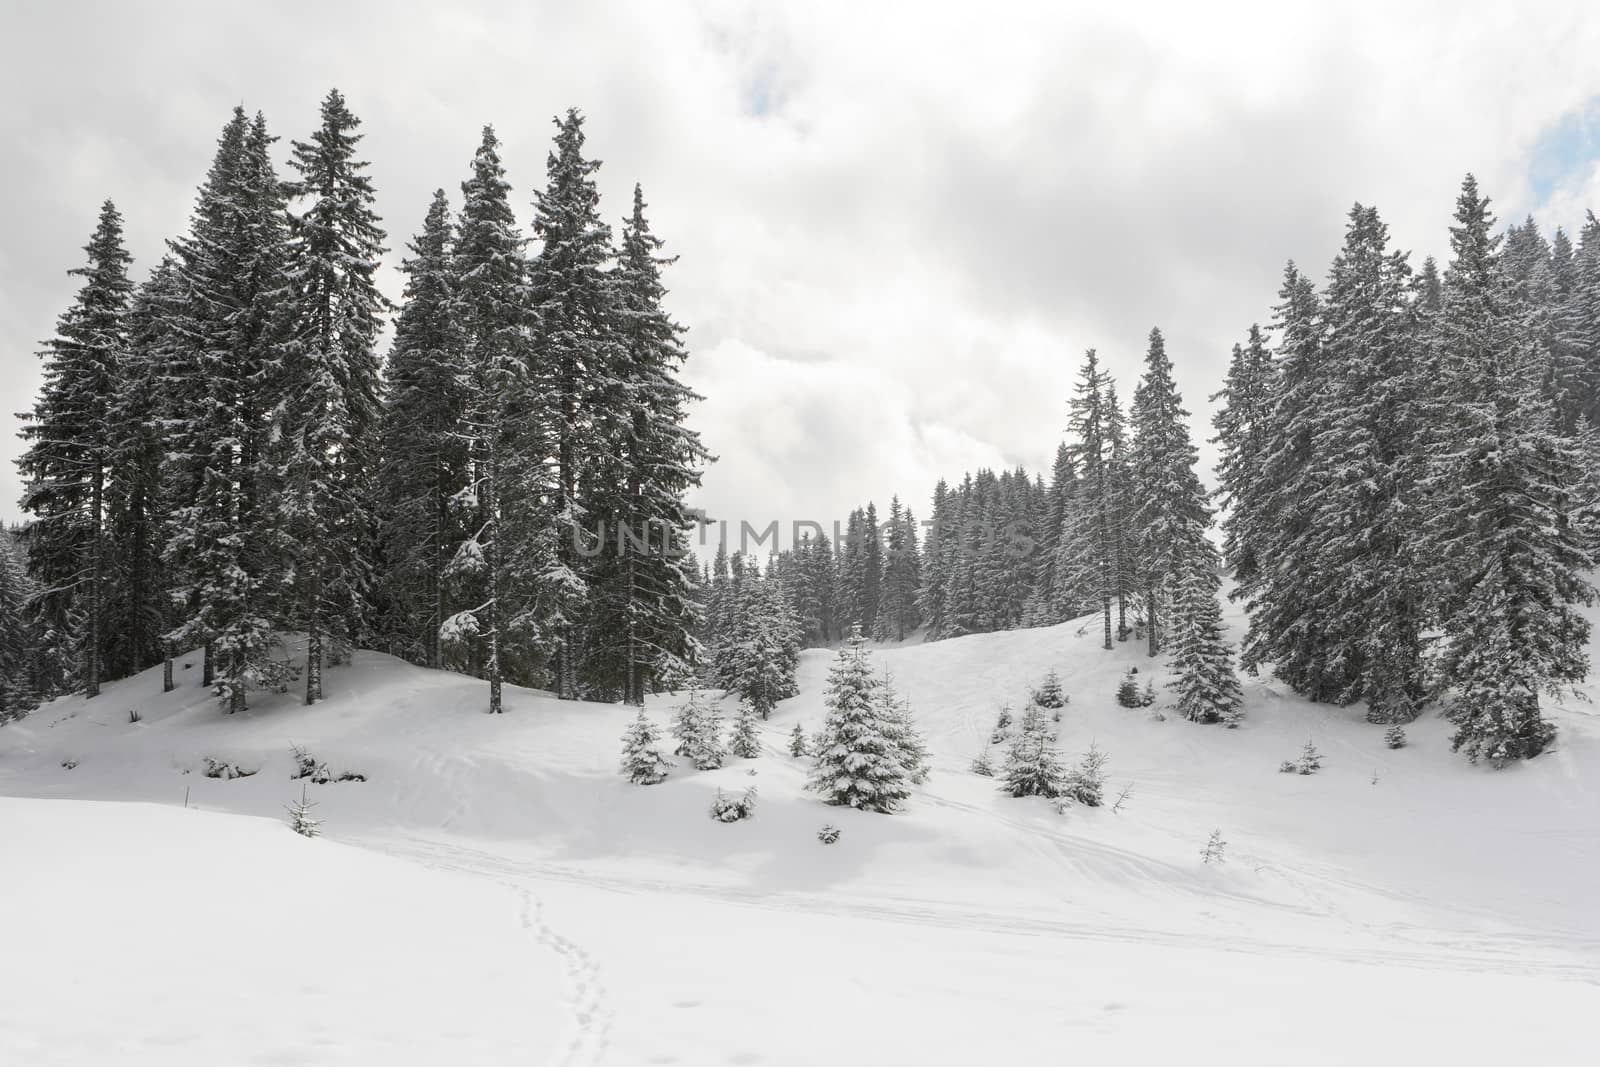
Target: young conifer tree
[[858, 761]]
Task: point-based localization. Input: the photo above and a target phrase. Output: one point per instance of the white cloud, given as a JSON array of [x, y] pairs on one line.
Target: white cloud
[[899, 226]]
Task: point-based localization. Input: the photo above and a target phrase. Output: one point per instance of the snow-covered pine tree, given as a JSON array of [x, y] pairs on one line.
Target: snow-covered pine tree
[[506, 542], [933, 596], [326, 421], [1085, 782], [300, 819], [797, 741], [1045, 607], [1202, 663], [1128, 688], [1033, 765], [67, 464], [643, 607], [423, 451], [1365, 527], [579, 369], [686, 719], [1120, 503], [895, 712], [138, 600], [1166, 513], [1241, 423], [1287, 600], [852, 572], [224, 549], [697, 728], [642, 760], [756, 651], [1049, 694], [897, 615], [17, 658], [871, 568], [1086, 559], [745, 743], [1503, 476], [857, 761]]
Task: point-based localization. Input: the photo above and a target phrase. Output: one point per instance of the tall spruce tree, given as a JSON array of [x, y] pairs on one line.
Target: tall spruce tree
[[578, 369], [642, 593], [1503, 476], [1167, 513], [1366, 524], [225, 369], [503, 432], [135, 502], [67, 465], [1086, 562], [1121, 532], [423, 448], [1287, 597], [327, 418], [1241, 423]]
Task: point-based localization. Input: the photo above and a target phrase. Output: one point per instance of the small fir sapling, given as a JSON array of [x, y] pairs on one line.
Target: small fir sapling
[[308, 766], [708, 753], [224, 770], [1127, 791], [697, 726], [797, 741], [1085, 782], [1128, 694], [642, 760], [300, 820], [983, 765], [1309, 761], [1049, 694], [686, 718], [1395, 736], [1215, 847], [745, 742], [902, 731], [859, 758], [828, 834], [725, 808], [1002, 726], [1033, 766]]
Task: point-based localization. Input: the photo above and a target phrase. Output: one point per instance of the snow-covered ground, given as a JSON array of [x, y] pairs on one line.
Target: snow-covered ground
[[495, 893]]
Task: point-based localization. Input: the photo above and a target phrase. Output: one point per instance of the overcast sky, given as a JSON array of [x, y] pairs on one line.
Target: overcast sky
[[898, 230]]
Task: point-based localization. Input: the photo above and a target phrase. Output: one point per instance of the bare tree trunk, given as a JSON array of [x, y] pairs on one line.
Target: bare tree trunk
[[1150, 611], [91, 651], [314, 642]]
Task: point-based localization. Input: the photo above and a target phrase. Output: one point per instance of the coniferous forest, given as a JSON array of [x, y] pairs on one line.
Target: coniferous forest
[[221, 458]]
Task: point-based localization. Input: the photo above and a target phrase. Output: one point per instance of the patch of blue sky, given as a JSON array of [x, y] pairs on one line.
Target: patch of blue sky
[[1567, 150]]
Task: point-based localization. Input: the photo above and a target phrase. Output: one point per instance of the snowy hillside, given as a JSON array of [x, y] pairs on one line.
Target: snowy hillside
[[1372, 911]]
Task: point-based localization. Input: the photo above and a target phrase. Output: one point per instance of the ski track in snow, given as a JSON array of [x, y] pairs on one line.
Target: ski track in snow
[[1425, 948]]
